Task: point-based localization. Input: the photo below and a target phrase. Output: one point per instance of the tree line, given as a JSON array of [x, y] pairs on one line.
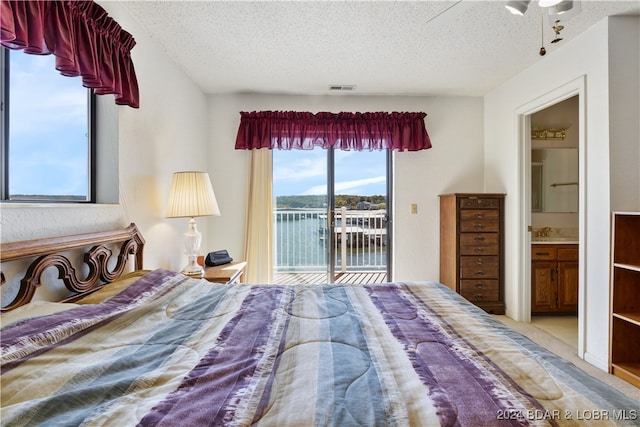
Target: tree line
[[317, 201]]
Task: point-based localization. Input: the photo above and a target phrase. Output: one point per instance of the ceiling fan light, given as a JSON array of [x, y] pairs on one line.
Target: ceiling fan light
[[562, 7], [549, 3], [517, 7]]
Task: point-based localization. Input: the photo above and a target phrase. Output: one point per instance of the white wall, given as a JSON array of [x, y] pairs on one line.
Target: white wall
[[167, 133], [587, 55], [451, 165], [624, 113]]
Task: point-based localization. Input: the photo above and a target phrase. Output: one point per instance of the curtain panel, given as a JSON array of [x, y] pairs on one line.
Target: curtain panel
[[286, 130], [84, 39], [258, 243]]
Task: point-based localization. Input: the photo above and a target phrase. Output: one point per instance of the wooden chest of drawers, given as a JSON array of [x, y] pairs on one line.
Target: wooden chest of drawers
[[472, 247]]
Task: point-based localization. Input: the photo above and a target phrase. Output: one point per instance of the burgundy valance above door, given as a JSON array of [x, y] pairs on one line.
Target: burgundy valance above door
[[286, 130], [84, 39]]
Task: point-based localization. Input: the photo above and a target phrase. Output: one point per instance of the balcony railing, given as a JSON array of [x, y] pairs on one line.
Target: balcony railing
[[302, 236]]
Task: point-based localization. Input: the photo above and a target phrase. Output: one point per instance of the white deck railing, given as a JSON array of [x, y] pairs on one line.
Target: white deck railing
[[302, 236]]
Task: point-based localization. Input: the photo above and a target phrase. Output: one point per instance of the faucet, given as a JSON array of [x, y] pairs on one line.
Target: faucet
[[543, 232]]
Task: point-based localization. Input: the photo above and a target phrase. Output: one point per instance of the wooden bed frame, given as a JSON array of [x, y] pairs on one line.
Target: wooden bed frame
[[49, 253]]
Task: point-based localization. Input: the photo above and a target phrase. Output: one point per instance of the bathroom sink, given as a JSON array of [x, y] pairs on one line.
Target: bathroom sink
[[555, 239]]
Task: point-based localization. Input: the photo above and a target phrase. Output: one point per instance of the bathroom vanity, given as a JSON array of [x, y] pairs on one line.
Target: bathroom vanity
[[554, 276]]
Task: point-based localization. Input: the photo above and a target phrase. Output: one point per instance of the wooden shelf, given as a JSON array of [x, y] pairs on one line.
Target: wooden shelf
[[626, 243], [624, 339], [627, 266], [625, 292], [628, 317], [629, 372]]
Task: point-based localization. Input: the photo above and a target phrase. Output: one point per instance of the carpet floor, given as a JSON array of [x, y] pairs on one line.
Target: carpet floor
[[561, 344]]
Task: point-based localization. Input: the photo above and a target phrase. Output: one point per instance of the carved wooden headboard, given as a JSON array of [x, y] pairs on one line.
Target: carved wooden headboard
[[49, 253]]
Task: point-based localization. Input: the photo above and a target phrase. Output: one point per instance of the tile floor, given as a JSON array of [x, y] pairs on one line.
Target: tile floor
[[561, 327]]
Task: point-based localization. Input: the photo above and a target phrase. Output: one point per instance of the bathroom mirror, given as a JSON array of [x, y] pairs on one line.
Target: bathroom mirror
[[554, 180]]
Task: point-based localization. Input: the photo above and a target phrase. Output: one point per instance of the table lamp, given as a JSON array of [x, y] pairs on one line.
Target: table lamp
[[192, 195]]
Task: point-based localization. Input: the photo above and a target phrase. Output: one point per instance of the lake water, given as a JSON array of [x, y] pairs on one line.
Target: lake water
[[301, 245]]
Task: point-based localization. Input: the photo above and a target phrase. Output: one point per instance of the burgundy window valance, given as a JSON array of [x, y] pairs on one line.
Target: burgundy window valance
[[286, 130], [85, 40]]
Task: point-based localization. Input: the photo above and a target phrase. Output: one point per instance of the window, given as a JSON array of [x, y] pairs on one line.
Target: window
[[48, 141]]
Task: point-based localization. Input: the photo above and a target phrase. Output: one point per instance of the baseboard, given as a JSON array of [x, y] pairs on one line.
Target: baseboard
[[597, 362]]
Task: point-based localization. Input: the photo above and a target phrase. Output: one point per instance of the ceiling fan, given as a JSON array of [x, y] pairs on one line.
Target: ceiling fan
[[553, 7], [565, 9]]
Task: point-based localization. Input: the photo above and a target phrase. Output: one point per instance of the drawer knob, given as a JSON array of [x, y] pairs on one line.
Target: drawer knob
[[479, 250], [479, 297], [479, 226], [479, 215], [479, 239], [479, 261], [480, 273], [479, 285]]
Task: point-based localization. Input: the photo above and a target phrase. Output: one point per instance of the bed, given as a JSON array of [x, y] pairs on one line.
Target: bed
[[156, 348]]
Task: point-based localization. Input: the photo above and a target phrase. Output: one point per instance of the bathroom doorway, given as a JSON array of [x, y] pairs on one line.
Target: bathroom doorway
[[551, 131], [554, 219]]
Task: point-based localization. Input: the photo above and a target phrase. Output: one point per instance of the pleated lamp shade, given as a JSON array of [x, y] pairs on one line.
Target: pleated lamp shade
[[191, 195]]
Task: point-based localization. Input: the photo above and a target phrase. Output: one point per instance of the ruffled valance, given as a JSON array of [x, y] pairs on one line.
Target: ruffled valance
[[286, 130], [84, 39]]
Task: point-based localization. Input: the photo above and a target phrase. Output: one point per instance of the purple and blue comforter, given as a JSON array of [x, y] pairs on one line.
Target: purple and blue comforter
[[174, 351]]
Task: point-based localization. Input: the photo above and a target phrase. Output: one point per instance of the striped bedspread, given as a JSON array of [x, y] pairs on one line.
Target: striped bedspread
[[174, 351]]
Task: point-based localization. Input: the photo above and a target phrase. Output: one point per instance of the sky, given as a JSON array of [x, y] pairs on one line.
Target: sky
[[48, 128], [304, 172]]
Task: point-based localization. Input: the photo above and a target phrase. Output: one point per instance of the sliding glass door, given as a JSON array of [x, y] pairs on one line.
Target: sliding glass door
[[331, 215], [300, 202]]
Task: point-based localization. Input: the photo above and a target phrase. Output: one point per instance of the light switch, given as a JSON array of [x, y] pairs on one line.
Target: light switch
[[414, 208]]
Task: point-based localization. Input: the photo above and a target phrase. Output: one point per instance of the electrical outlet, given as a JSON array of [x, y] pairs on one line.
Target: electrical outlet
[[414, 208]]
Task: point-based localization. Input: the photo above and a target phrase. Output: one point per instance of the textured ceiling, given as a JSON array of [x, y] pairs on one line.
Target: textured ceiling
[[395, 48]]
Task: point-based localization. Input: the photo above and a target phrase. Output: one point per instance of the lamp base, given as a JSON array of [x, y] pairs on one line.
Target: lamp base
[[193, 268], [192, 249]]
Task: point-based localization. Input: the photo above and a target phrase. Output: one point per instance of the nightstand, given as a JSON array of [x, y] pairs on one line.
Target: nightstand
[[226, 273]]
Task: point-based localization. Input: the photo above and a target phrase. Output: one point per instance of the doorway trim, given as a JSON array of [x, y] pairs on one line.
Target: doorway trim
[[523, 131]]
